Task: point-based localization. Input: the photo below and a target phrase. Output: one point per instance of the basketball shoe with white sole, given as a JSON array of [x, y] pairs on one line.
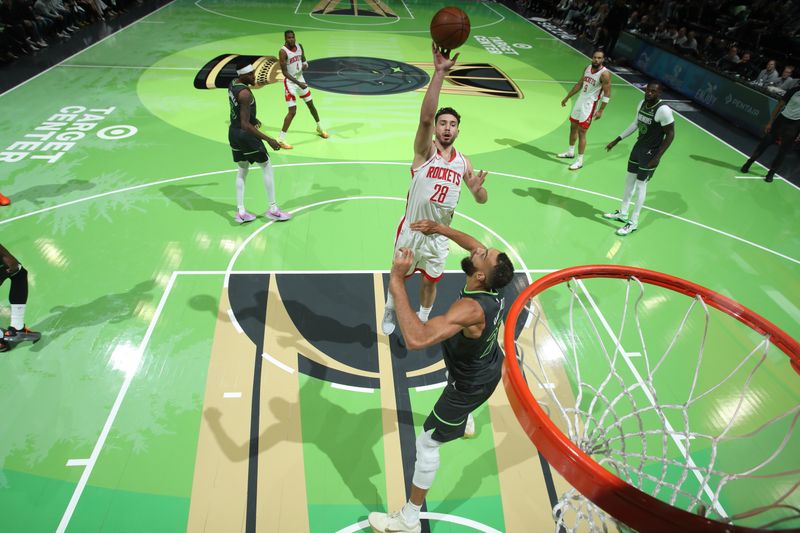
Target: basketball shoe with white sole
[[390, 523]]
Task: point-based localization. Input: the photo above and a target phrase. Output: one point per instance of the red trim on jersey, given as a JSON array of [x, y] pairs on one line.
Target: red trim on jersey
[[452, 156], [286, 92], [427, 276], [588, 122]]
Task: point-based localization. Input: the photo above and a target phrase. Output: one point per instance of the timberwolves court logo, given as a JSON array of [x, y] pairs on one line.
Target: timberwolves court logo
[[363, 76]]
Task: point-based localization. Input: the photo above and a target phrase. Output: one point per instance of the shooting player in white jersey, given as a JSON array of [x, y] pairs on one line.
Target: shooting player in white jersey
[[595, 79], [437, 171], [293, 63]]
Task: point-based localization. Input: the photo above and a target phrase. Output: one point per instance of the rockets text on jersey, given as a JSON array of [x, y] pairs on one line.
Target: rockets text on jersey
[[591, 83], [436, 188], [294, 61]]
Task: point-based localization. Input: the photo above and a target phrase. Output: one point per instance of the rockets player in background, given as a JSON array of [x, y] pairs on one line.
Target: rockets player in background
[[437, 174], [293, 63], [595, 79]]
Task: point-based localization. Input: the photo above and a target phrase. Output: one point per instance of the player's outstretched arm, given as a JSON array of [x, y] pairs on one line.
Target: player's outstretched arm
[[429, 227], [422, 142], [475, 183], [462, 314]]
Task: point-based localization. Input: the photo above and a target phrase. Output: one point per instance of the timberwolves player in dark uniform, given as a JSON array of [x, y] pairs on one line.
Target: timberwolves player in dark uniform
[[246, 143], [656, 127], [468, 336]]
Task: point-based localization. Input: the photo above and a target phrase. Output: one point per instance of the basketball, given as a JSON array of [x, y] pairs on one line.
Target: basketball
[[450, 27]]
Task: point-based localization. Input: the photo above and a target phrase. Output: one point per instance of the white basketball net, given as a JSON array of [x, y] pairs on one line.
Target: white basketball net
[[612, 418]]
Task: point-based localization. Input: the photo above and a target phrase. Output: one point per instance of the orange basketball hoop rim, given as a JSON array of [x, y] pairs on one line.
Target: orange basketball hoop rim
[[626, 503]]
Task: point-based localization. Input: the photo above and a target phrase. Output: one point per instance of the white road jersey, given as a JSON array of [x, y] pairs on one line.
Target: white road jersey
[[435, 189], [294, 62], [589, 95]]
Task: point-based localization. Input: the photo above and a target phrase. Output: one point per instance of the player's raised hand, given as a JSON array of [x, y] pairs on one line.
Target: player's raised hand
[[401, 264], [441, 58], [428, 227], [475, 181]]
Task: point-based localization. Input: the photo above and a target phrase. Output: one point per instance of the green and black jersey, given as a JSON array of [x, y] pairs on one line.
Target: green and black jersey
[[478, 361], [651, 132], [233, 98]]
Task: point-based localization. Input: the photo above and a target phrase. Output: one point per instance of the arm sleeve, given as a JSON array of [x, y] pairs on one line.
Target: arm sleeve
[[630, 129], [664, 115]]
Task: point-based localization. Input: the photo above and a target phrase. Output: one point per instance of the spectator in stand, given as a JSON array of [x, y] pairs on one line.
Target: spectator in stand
[[784, 82], [729, 60], [745, 68], [615, 22], [646, 25], [596, 22], [689, 46], [669, 34], [680, 38], [767, 76]]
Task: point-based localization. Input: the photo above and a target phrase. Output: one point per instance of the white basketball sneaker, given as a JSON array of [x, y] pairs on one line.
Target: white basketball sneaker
[[469, 431], [576, 165], [566, 155], [387, 523], [616, 215], [387, 324], [627, 229]]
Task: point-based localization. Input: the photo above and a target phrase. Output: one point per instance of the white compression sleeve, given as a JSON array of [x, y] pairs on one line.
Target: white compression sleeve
[[241, 173], [641, 190], [630, 183], [269, 181]]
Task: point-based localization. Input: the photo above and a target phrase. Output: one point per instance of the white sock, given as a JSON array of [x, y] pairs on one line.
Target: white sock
[[571, 149], [282, 135], [641, 190], [580, 158], [389, 301], [240, 175], [17, 316], [410, 513], [424, 312], [269, 181], [319, 125], [630, 183]]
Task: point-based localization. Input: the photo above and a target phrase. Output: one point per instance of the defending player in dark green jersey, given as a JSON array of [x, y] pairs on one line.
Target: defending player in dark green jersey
[[468, 335], [656, 127]]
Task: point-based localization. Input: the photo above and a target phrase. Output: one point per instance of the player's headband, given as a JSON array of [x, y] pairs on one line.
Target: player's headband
[[245, 70]]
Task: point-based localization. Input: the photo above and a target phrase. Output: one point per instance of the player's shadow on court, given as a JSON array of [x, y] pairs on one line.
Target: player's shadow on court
[[347, 439], [111, 308], [205, 302], [529, 148], [188, 199], [715, 162], [325, 328], [668, 201], [576, 208], [320, 193], [37, 193]]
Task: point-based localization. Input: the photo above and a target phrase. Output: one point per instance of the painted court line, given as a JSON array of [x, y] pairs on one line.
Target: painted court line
[[440, 517], [434, 386], [234, 321], [351, 388], [395, 163], [130, 67], [632, 85], [77, 462], [409, 11], [285, 368], [112, 415], [232, 395]]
